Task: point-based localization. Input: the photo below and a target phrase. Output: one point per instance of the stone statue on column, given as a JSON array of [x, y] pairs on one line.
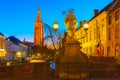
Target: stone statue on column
[[70, 23], [71, 59]]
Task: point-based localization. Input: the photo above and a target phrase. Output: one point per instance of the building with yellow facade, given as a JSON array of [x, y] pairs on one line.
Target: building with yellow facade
[[95, 37], [2, 46], [113, 38], [94, 41]]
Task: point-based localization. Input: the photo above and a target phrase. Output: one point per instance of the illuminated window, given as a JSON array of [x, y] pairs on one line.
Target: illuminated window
[[117, 15]]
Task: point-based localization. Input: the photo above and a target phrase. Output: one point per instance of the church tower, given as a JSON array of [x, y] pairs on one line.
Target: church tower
[[38, 31]]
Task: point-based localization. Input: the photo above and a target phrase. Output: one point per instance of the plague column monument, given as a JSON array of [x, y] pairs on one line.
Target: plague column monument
[[72, 60]]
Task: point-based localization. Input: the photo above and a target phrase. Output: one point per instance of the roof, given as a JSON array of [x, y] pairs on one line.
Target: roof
[[14, 40], [1, 34], [116, 6], [106, 8], [28, 43]]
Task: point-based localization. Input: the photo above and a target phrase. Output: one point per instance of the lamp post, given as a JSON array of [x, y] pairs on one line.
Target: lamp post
[[85, 26], [55, 28]]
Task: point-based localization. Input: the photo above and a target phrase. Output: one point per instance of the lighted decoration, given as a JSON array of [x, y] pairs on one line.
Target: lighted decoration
[[2, 49], [36, 61], [8, 63], [2, 52]]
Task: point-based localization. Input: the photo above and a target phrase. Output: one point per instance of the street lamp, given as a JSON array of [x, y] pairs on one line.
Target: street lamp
[[85, 25], [55, 26]]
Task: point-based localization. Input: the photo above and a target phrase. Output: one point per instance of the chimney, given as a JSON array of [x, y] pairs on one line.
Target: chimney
[[96, 12], [81, 24]]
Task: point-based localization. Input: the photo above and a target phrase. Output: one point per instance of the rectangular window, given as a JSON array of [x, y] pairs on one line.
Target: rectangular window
[[117, 51], [98, 32], [102, 32], [83, 40], [86, 37], [116, 31], [109, 34], [109, 20], [95, 33], [83, 49], [90, 51], [108, 51], [117, 15], [0, 43], [81, 36], [90, 36], [86, 50]]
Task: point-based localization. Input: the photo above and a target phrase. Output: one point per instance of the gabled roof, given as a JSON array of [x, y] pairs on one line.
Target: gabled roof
[[14, 40], [1, 34]]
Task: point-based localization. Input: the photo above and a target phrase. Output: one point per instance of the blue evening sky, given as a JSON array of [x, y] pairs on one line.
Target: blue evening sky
[[17, 16]]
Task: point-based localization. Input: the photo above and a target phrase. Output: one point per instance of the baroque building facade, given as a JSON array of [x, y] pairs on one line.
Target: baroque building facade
[[95, 37], [102, 38], [15, 49], [2, 46], [113, 39]]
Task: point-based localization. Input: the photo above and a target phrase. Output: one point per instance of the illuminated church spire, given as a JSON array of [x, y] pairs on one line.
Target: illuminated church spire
[[38, 17], [38, 31]]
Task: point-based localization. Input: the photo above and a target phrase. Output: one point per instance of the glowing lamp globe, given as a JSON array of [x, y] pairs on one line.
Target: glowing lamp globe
[[85, 26], [55, 25]]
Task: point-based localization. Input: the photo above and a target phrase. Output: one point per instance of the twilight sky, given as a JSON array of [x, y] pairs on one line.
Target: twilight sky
[[17, 16]]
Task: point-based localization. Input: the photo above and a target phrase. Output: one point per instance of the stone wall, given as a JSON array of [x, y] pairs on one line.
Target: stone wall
[[30, 71]]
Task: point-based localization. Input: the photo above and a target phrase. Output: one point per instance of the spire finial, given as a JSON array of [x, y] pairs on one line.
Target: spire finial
[[38, 18], [24, 40], [38, 8], [70, 12]]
